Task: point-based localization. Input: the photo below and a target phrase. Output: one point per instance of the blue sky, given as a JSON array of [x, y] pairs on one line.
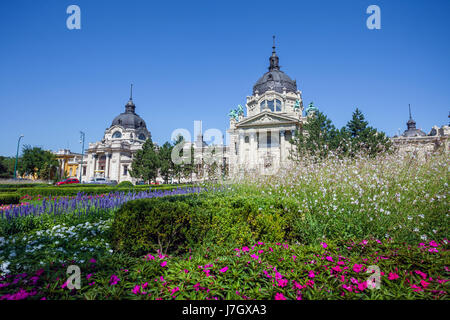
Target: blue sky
[[195, 60]]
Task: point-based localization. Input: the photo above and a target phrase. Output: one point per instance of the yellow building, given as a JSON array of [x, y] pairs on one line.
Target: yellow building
[[69, 163]]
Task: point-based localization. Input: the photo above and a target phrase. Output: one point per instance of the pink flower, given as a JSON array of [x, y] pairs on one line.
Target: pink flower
[[324, 245], [362, 286], [347, 287], [311, 274], [416, 288], [136, 289], [175, 290], [337, 269], [92, 261], [114, 280], [254, 256], [357, 267], [149, 257], [279, 296], [329, 259], [392, 276], [294, 257], [422, 274], [245, 249], [163, 264], [223, 270], [424, 283], [434, 243], [283, 282]]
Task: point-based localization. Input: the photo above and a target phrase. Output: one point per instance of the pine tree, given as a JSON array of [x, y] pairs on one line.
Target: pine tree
[[167, 166], [146, 162], [363, 138]]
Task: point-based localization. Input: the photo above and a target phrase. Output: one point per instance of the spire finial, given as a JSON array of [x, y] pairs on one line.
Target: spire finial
[[273, 47], [131, 92], [273, 59], [409, 106]]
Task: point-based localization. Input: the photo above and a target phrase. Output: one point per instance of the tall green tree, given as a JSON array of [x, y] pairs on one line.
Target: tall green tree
[[6, 167], [146, 162], [361, 137], [39, 162], [167, 166], [316, 138]]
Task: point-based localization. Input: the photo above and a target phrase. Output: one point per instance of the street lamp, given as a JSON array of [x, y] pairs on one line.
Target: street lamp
[[82, 152], [17, 156]]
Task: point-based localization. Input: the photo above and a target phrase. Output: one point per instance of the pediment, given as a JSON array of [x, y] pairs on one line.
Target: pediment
[[267, 118]]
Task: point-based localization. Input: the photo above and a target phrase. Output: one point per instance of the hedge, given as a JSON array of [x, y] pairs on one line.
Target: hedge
[[58, 191], [212, 219], [9, 198], [11, 187]]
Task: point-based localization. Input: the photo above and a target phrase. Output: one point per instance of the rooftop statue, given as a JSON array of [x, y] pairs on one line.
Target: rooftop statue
[[240, 110], [233, 114], [297, 104], [311, 109]]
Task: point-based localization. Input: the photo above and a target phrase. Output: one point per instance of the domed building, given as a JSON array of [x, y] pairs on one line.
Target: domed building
[[415, 141], [111, 157], [259, 140]]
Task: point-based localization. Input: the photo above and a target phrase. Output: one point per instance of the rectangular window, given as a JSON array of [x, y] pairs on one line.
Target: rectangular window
[[125, 170], [269, 139], [257, 140], [84, 171]]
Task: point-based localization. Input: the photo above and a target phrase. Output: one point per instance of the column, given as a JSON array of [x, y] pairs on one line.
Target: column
[[108, 157]]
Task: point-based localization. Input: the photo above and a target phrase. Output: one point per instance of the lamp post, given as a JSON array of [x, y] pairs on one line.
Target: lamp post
[[17, 156], [82, 152]]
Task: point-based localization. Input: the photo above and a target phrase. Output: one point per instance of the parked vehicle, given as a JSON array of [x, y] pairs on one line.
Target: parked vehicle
[[100, 180], [68, 181]]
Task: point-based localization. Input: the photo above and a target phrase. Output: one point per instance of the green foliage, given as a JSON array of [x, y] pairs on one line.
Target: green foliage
[[74, 190], [6, 167], [125, 184], [316, 138], [9, 198], [167, 166], [363, 138], [39, 162], [146, 162], [145, 225]]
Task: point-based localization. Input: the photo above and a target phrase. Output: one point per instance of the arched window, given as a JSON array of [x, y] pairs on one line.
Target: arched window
[[273, 105], [117, 135], [277, 105], [141, 136]]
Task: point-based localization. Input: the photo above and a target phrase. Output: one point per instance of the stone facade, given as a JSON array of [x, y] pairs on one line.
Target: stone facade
[[418, 143], [112, 156]]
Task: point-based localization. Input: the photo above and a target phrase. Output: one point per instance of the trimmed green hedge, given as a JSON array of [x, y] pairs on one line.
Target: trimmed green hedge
[[9, 198], [127, 184], [211, 219], [11, 187], [73, 191], [152, 224]]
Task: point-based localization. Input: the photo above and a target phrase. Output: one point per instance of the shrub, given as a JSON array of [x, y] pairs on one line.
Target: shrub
[[127, 184], [9, 198], [145, 225]]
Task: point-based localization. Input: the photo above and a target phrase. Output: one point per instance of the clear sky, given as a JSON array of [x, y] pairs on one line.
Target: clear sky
[[195, 60]]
